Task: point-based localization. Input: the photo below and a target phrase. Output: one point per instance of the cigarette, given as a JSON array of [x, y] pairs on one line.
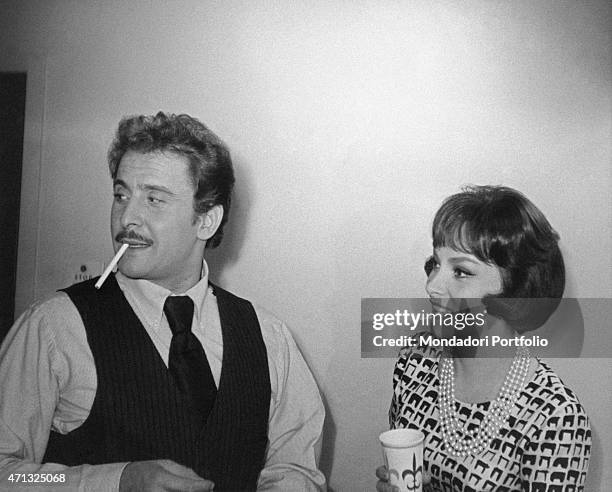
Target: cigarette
[[112, 264]]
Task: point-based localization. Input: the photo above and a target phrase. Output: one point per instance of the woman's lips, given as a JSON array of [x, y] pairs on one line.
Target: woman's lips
[[439, 307]]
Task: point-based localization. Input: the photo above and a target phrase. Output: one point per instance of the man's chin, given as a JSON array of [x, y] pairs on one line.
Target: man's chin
[[130, 270]]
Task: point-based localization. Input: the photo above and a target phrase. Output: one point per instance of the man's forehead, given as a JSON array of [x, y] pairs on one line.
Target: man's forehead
[[144, 186], [154, 170], [166, 157]]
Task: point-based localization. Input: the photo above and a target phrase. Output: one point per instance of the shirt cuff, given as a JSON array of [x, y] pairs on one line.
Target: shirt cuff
[[101, 478]]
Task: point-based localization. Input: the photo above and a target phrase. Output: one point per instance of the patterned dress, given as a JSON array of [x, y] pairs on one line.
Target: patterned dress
[[544, 445]]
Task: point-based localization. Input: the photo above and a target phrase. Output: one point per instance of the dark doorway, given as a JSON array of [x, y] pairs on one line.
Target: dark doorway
[[12, 117]]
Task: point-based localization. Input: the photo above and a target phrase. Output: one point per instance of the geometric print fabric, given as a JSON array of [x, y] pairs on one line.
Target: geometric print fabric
[[544, 445]]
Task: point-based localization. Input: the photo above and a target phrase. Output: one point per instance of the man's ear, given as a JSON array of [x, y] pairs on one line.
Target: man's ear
[[209, 222]]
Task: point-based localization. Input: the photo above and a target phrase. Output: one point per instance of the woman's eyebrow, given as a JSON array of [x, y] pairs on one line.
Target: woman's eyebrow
[[457, 259]]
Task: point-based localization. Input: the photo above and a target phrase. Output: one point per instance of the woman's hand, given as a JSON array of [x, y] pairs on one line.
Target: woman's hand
[[383, 484]]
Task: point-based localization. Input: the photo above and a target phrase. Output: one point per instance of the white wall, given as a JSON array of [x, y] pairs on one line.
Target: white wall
[[349, 122]]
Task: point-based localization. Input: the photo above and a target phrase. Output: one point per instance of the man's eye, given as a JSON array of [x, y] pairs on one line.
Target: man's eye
[[119, 197], [154, 200]]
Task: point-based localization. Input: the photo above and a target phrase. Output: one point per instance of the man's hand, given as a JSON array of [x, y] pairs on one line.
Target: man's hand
[[161, 476]]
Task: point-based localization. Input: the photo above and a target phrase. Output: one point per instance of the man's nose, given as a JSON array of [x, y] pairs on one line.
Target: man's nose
[[132, 214]]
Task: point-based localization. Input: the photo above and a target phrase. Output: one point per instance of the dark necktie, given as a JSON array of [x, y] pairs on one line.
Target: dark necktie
[[187, 361]]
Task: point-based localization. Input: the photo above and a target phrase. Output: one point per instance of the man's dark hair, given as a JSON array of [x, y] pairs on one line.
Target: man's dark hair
[[500, 226], [210, 164]]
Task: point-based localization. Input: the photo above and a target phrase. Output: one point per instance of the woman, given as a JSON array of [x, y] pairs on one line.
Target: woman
[[492, 423]]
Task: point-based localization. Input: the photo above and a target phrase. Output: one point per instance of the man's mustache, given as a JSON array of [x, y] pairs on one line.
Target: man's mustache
[[131, 236]]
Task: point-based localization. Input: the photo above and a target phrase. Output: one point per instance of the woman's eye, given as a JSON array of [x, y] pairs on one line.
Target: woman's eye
[[461, 273]]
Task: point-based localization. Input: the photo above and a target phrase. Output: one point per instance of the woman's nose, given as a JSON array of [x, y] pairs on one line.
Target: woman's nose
[[435, 284]]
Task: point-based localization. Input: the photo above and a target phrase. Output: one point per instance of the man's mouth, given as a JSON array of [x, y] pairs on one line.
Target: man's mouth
[[132, 239], [136, 245]]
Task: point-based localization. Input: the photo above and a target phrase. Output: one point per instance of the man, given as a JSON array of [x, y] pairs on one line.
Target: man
[[158, 380]]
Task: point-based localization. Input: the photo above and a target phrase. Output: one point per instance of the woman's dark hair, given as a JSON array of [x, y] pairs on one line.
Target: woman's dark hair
[[500, 226], [210, 164]]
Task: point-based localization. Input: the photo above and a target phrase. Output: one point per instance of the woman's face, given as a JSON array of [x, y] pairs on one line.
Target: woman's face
[[458, 278]]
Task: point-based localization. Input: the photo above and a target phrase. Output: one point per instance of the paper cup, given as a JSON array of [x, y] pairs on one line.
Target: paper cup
[[403, 455]]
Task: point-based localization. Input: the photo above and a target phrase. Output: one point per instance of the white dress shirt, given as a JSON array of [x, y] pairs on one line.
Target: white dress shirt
[[48, 382]]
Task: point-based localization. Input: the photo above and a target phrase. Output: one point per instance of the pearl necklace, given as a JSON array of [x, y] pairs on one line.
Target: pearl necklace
[[460, 442]]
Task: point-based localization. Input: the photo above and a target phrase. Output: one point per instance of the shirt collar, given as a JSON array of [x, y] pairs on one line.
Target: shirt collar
[[148, 298]]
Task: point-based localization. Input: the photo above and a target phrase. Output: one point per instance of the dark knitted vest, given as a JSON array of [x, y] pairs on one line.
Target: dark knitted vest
[[138, 412]]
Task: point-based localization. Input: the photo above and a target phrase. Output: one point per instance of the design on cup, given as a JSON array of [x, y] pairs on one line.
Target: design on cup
[[414, 475]]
